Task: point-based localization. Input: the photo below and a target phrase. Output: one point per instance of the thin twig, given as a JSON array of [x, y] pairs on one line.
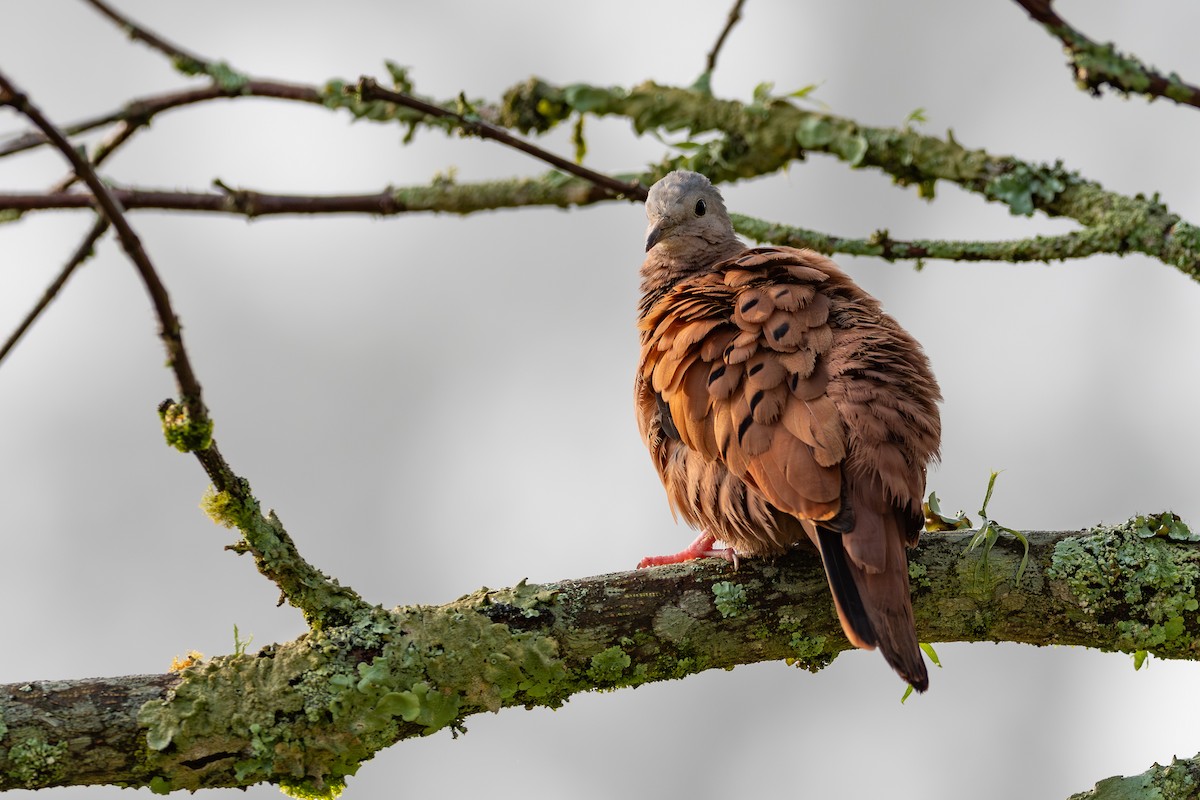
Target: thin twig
[[551, 190], [149, 37], [368, 89], [320, 599], [735, 14], [1073, 245], [82, 253], [1096, 64], [170, 331], [119, 135], [139, 112]]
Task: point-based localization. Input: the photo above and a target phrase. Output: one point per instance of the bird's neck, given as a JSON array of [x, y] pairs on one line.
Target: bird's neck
[[675, 259]]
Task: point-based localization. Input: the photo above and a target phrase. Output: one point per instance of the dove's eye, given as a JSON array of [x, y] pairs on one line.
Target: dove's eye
[[700, 208]]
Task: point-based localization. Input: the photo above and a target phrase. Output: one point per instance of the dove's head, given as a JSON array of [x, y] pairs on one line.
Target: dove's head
[[687, 214]]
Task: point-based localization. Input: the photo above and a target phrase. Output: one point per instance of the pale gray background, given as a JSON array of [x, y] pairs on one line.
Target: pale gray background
[[418, 448]]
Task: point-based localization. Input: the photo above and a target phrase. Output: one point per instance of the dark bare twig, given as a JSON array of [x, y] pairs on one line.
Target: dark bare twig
[[151, 38], [368, 89], [275, 554], [170, 330], [119, 135], [1096, 64], [735, 14], [82, 254], [139, 112], [467, 198]]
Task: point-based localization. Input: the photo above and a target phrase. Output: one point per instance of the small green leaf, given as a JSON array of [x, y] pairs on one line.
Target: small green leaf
[[927, 648], [908, 690], [987, 497], [1139, 658], [917, 115], [762, 92], [803, 92], [399, 76]]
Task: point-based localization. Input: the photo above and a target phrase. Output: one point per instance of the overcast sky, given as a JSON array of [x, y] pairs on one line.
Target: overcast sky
[[432, 404]]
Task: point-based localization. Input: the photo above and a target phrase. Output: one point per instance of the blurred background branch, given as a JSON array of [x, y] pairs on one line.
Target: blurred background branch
[[1095, 65]]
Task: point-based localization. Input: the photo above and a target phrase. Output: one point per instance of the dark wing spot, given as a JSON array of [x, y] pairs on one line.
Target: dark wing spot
[[666, 420], [756, 399], [749, 304], [716, 374], [756, 368], [781, 331], [745, 426]]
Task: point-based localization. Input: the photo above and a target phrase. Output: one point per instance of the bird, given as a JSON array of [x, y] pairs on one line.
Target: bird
[[781, 405]]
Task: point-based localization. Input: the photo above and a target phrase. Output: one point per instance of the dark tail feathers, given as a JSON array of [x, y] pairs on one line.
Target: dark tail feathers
[[874, 608]]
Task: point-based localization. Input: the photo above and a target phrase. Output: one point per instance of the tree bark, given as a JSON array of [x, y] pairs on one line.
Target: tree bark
[[306, 713]]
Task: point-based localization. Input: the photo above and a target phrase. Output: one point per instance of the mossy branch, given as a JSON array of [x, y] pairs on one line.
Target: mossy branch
[[880, 244], [1178, 780], [1096, 65], [767, 135], [759, 138], [305, 714]]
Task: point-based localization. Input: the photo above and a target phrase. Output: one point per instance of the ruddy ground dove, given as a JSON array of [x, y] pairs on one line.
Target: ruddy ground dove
[[781, 404]]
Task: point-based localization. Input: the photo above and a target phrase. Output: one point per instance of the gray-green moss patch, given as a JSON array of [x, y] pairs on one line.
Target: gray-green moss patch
[[1143, 588], [34, 762], [730, 598]]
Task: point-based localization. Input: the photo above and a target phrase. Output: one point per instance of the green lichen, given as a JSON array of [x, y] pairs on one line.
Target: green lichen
[[159, 785], [304, 790], [1024, 187], [609, 665], [1167, 525], [1143, 588], [34, 762], [372, 681], [811, 653], [183, 432], [730, 598], [226, 510], [918, 575], [1097, 64], [1176, 781]]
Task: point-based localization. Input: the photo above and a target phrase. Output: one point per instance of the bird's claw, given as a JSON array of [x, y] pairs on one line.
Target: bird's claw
[[702, 547]]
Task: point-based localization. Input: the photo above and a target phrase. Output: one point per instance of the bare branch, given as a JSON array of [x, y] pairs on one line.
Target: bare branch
[[187, 424], [369, 90], [550, 189], [149, 37], [139, 112], [1095, 64], [170, 331], [82, 253], [735, 14]]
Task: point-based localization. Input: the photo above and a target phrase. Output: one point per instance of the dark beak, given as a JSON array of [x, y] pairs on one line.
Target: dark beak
[[653, 237]]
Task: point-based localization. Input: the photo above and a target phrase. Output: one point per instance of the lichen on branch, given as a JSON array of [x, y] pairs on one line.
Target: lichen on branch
[[306, 714]]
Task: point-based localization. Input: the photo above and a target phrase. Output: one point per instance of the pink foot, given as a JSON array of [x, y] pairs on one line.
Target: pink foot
[[702, 547]]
